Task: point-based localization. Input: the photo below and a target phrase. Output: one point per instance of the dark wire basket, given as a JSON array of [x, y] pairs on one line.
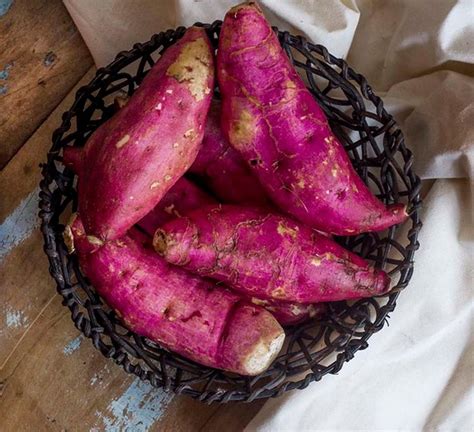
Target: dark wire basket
[[316, 348]]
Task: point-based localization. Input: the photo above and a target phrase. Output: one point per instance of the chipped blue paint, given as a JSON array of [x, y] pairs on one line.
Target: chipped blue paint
[[20, 224], [73, 345], [4, 6], [15, 318], [5, 72], [3, 89], [137, 410]]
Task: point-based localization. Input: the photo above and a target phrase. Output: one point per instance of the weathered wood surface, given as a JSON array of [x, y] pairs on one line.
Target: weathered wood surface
[[42, 56], [51, 378]]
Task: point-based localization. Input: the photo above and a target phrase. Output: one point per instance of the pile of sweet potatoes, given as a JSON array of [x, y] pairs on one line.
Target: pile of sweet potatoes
[[207, 224]]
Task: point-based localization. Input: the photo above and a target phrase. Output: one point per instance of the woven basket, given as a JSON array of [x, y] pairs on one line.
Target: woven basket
[[314, 349]]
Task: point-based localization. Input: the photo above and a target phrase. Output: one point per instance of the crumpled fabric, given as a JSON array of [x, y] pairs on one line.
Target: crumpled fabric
[[418, 55]]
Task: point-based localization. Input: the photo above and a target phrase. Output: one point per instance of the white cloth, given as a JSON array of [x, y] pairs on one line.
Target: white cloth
[[418, 55]]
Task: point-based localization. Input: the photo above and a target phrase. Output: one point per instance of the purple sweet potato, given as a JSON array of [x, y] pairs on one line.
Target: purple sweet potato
[[135, 157], [184, 313], [183, 197], [222, 168], [273, 120], [267, 256]]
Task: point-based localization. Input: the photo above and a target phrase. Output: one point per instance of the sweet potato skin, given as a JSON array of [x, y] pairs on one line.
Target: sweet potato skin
[[183, 197], [267, 256], [72, 158], [219, 166], [271, 118], [291, 313], [184, 313], [135, 157], [222, 168]]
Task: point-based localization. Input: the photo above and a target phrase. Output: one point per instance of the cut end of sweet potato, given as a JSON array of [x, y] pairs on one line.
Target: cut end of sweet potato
[[263, 354], [253, 340]]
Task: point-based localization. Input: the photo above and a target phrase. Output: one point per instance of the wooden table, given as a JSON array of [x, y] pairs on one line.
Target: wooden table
[[51, 377]]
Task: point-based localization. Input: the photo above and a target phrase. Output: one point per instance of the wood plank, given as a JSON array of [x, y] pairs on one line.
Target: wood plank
[[185, 415], [232, 417], [51, 378], [42, 56], [25, 284]]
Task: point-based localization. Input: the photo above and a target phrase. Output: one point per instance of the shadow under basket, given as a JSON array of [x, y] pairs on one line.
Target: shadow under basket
[[376, 147]]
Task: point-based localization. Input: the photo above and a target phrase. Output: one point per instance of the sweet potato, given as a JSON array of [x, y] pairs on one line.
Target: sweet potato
[[266, 255], [135, 157], [185, 314], [273, 120], [183, 197], [222, 169]]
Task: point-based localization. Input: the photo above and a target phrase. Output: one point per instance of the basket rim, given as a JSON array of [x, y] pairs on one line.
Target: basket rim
[[52, 234]]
